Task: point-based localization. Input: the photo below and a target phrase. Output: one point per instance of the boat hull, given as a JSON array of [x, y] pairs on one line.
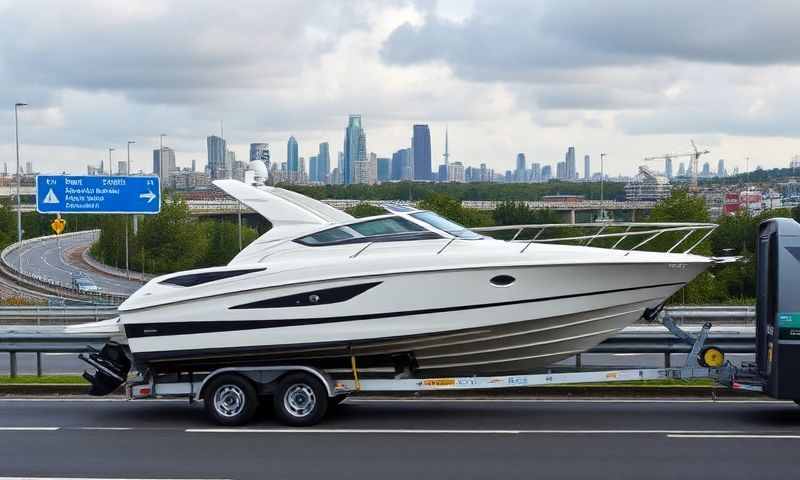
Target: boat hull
[[437, 322]]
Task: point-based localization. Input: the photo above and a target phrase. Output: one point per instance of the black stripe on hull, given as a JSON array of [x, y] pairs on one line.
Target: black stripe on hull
[[159, 329]]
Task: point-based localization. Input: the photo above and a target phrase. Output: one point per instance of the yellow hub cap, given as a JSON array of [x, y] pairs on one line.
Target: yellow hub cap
[[713, 357]]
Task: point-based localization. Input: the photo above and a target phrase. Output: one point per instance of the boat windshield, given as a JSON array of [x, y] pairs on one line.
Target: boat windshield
[[389, 229], [446, 225]]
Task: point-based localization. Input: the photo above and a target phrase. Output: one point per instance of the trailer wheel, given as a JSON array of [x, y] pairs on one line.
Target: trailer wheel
[[230, 400], [300, 400]]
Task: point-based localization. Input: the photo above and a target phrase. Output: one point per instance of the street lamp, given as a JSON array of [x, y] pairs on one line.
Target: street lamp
[[127, 172], [19, 181], [602, 179]]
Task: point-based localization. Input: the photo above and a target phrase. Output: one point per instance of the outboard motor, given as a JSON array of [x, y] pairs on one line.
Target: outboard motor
[[778, 308], [111, 366]]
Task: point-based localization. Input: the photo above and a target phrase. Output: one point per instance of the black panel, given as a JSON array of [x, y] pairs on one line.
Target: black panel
[[135, 330], [193, 279], [307, 299]]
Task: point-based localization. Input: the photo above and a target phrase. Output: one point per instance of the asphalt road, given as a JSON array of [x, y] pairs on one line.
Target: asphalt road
[[61, 363], [407, 439], [48, 259]]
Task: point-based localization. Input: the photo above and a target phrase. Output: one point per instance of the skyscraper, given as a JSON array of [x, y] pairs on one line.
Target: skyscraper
[[721, 168], [421, 151], [355, 148], [216, 157], [668, 167], [682, 170], [569, 164], [384, 169], [547, 173], [260, 152], [536, 172], [520, 173], [323, 163], [562, 171], [292, 155], [313, 173], [169, 163], [587, 168]]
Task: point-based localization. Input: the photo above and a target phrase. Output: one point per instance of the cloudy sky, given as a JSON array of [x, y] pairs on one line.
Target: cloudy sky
[[629, 78]]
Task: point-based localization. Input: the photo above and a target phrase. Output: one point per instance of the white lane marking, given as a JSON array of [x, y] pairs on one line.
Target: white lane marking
[[28, 429], [733, 436], [405, 431]]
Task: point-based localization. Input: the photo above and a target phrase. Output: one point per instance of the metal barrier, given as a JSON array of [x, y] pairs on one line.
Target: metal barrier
[[39, 315]]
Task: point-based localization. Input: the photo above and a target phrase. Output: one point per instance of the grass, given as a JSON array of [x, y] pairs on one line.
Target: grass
[[31, 379]]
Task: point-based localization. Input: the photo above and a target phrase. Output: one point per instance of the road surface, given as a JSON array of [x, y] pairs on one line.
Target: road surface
[[415, 439], [58, 259]]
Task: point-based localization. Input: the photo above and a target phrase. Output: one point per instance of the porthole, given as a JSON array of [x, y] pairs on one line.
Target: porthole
[[502, 280]]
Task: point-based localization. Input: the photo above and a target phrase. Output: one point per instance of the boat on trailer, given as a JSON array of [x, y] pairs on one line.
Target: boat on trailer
[[409, 294]]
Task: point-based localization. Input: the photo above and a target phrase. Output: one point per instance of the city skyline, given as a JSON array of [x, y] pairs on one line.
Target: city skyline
[[630, 93]]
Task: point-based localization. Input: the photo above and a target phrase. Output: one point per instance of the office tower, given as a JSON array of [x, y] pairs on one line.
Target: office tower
[[29, 168], [355, 148], [407, 161], [520, 174], [721, 168], [361, 172], [668, 167], [216, 157], [561, 170], [706, 170], [547, 173], [569, 164], [313, 175], [456, 172], [122, 168], [260, 152], [384, 169], [323, 163], [421, 152], [292, 155], [168, 166], [441, 174], [536, 172], [681, 170], [397, 166], [587, 168], [194, 165], [230, 159], [373, 168]]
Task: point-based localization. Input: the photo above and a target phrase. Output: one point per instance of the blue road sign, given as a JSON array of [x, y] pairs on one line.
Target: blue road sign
[[95, 194]]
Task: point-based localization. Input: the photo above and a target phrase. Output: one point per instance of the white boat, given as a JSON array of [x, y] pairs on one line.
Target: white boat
[[408, 290]]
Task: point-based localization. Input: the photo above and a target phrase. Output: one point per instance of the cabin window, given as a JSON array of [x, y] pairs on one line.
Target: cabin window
[[390, 229]]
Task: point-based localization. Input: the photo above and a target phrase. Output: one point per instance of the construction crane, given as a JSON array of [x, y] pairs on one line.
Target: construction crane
[[695, 156]]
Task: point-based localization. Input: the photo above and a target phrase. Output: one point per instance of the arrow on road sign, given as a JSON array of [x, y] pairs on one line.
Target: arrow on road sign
[[150, 196], [51, 197]]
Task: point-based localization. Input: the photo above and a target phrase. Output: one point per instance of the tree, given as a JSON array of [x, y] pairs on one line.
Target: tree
[[517, 213], [365, 210], [223, 241], [169, 241], [453, 210]]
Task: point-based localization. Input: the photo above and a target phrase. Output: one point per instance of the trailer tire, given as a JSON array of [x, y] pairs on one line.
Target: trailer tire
[[300, 400], [230, 400]]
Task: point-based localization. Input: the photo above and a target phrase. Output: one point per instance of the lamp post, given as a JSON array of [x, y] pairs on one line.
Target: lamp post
[[602, 180], [19, 182]]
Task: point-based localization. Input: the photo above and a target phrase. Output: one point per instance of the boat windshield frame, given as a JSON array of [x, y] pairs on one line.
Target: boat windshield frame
[[417, 232]]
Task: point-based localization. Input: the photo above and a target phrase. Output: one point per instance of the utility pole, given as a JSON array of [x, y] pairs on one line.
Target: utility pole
[[602, 180], [19, 182]]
